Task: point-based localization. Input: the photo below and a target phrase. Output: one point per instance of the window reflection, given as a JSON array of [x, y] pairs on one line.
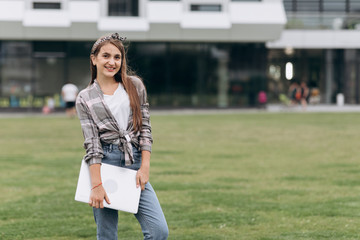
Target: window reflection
[[176, 74], [15, 74], [123, 7]]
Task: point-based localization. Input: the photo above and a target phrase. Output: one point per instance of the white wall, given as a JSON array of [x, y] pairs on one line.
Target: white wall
[[158, 21], [321, 39]]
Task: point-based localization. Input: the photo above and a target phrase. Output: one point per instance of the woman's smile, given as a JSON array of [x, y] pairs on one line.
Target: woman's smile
[[110, 69]]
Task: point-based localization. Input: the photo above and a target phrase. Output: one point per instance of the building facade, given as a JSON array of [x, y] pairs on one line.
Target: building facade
[[190, 53]]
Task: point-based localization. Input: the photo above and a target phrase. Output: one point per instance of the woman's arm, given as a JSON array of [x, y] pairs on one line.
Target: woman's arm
[[143, 174], [145, 138], [98, 193], [93, 155], [92, 144]]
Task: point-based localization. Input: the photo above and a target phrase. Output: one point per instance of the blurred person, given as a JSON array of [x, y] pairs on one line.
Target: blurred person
[[262, 99], [51, 104], [114, 114], [295, 92], [314, 97], [69, 92], [304, 94], [49, 107]]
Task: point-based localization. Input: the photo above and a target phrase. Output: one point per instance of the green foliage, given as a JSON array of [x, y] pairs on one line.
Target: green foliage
[[228, 176]]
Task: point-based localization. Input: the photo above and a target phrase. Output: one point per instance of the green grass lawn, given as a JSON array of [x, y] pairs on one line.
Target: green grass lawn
[[232, 176]]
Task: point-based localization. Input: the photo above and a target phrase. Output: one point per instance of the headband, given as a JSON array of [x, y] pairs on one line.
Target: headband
[[106, 38]]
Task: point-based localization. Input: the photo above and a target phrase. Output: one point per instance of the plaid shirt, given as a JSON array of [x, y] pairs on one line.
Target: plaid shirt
[[99, 125]]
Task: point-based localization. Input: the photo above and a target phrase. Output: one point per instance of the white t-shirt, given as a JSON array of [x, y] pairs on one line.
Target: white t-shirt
[[119, 105], [69, 92]]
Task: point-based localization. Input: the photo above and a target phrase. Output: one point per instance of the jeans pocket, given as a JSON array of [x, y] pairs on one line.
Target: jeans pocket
[[105, 149], [112, 155]]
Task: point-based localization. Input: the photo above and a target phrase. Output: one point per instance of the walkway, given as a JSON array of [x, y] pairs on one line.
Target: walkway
[[271, 108]]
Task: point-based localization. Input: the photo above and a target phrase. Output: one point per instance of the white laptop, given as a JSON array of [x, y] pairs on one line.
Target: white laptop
[[119, 184]]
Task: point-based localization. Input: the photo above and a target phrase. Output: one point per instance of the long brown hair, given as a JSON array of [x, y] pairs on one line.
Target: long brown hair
[[122, 76]]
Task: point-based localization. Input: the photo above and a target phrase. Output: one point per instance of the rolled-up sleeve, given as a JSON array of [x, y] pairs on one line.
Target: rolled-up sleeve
[[146, 139], [92, 144]]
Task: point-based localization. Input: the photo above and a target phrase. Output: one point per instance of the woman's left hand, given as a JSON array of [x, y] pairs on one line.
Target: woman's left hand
[[142, 177]]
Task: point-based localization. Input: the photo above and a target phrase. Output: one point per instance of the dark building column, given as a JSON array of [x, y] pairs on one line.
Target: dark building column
[[223, 77], [329, 75], [357, 78], [349, 76]]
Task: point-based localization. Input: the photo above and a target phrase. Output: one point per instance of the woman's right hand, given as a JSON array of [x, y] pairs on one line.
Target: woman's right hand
[[98, 193], [97, 197]]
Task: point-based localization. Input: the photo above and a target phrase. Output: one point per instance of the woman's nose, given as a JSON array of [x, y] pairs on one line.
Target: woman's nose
[[112, 61]]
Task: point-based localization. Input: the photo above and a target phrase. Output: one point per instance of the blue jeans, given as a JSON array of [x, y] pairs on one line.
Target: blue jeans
[[150, 214]]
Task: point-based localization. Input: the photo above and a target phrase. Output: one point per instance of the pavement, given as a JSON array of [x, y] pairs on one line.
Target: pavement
[[314, 108], [270, 108]]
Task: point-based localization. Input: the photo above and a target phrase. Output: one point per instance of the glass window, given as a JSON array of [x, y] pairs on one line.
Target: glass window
[[78, 63], [16, 73], [354, 6], [49, 66], [123, 7], [190, 72], [334, 5], [40, 46], [205, 7], [187, 76], [308, 6], [321, 5], [49, 75], [289, 5], [46, 5], [31, 72]]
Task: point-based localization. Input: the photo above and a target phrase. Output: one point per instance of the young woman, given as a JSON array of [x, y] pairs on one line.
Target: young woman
[[114, 116]]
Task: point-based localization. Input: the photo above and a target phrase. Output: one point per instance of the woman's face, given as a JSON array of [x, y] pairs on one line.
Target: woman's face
[[107, 62]]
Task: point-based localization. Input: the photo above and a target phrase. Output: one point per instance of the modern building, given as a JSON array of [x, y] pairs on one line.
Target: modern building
[[321, 43], [190, 53]]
